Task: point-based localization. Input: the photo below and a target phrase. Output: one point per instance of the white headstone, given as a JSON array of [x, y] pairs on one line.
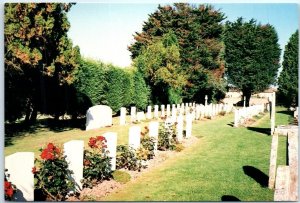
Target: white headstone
[[98, 116], [149, 112], [179, 128], [73, 150], [156, 111], [19, 167], [153, 132], [188, 125], [168, 110], [140, 116], [111, 142], [134, 137], [206, 100], [123, 116], [132, 114]]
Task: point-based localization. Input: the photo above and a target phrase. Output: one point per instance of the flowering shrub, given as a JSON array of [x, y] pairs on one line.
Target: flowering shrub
[[147, 144], [53, 177], [96, 164], [167, 136], [126, 158], [9, 188]]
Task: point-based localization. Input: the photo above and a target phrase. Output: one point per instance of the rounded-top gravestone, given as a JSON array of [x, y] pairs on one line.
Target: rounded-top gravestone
[[98, 116]]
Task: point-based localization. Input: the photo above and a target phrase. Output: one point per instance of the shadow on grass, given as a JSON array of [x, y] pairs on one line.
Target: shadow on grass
[[230, 198], [286, 112], [265, 131], [47, 124], [231, 124], [256, 174]]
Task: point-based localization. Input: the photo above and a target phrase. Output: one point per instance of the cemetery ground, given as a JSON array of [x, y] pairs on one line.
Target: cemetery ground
[[224, 163]]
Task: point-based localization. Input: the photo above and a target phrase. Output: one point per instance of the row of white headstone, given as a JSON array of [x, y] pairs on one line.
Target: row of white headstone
[[198, 111], [245, 113], [23, 177]]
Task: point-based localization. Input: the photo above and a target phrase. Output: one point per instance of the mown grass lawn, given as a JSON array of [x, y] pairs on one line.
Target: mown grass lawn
[[225, 163]]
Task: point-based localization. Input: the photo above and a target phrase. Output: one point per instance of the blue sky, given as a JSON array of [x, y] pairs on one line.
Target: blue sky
[[104, 30]]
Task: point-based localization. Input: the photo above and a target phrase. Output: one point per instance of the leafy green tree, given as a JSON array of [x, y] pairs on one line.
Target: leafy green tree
[[36, 48], [141, 92], [288, 79], [159, 64], [199, 33], [252, 56]]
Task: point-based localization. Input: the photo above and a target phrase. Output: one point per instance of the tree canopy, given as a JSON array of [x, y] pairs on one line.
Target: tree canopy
[[288, 79], [199, 34], [252, 56], [38, 55]]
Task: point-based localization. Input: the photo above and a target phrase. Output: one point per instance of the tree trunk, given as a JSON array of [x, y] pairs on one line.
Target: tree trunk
[[247, 94], [33, 115]]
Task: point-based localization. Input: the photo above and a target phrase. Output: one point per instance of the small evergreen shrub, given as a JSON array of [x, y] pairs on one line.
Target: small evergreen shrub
[[121, 176], [167, 136], [126, 158]]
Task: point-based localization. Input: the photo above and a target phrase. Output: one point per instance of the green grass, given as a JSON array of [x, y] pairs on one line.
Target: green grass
[[214, 168], [32, 142], [224, 163]]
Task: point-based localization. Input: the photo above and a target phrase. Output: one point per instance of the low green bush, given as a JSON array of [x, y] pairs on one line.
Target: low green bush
[[126, 158], [167, 136], [121, 176]]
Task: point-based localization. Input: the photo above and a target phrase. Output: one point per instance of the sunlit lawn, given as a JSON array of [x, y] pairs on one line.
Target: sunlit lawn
[[225, 163]]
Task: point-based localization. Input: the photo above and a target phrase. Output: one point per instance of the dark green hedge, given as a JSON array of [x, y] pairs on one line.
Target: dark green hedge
[[111, 85]]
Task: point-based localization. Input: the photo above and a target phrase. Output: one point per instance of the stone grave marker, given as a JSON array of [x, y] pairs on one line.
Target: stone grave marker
[[179, 128], [73, 150], [168, 110], [134, 137], [123, 116], [98, 116], [132, 114], [153, 132], [149, 112], [156, 111], [19, 167], [162, 110], [111, 142], [188, 127]]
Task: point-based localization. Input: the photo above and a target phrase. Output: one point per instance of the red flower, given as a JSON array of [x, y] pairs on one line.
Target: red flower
[[50, 146], [101, 138], [7, 184], [9, 192], [8, 189], [93, 142], [34, 170], [86, 162]]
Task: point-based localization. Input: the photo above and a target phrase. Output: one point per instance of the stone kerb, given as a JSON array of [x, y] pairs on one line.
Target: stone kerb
[[179, 128], [98, 116], [156, 111], [73, 150], [134, 137], [19, 167], [153, 132], [123, 116], [132, 114], [111, 142]]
